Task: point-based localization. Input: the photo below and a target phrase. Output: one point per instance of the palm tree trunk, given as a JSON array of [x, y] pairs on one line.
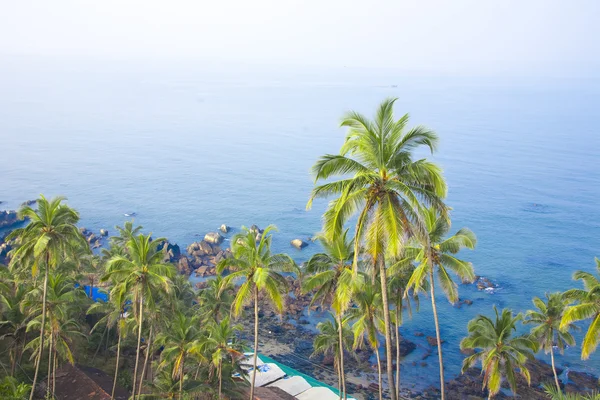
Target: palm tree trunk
[[254, 362], [437, 332], [100, 344], [112, 394], [91, 288], [554, 369], [388, 329], [48, 378], [220, 377], [137, 354], [397, 329], [13, 360], [379, 379], [145, 361], [54, 374], [37, 367], [341, 363], [181, 376], [337, 368]]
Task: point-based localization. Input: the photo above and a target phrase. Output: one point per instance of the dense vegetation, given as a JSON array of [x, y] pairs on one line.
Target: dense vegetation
[[161, 338]]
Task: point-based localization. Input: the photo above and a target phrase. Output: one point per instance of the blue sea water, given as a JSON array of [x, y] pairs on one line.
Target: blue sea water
[[188, 149]]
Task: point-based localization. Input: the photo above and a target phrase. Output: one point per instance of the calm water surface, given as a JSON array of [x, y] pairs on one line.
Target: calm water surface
[[188, 151]]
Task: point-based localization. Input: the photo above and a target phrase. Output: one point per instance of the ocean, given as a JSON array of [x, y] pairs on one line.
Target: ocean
[[188, 149]]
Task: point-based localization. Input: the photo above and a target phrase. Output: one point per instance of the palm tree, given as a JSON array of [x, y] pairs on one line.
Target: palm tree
[[50, 236], [216, 298], [61, 304], [126, 233], [557, 394], [399, 273], [253, 261], [368, 321], [500, 353], [547, 331], [330, 274], [114, 315], [436, 254], [327, 342], [12, 389], [144, 275], [180, 340], [222, 344], [588, 308], [14, 322], [386, 190], [167, 387]]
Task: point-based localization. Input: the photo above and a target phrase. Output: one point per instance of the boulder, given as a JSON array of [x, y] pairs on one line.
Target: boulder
[[299, 244], [483, 283], [433, 341], [224, 228], [205, 247], [8, 218], [103, 232], [255, 229], [28, 203], [213, 237], [183, 266]]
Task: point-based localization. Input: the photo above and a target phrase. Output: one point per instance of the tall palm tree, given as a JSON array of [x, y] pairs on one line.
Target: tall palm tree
[[261, 270], [499, 352], [386, 189], [435, 254], [61, 306], [330, 274], [180, 340], [399, 273], [50, 236], [327, 342], [547, 329], [222, 344], [367, 316], [588, 307], [115, 315], [144, 275]]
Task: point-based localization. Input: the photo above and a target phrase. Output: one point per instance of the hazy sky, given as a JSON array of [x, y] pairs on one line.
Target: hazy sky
[[516, 37]]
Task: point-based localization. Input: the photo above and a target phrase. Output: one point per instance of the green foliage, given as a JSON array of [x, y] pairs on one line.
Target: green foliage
[[12, 389], [501, 354], [556, 394]]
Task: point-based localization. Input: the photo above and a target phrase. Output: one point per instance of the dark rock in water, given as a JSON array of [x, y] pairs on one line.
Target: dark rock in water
[[224, 228], [8, 218], [406, 347], [433, 341], [28, 203], [419, 334], [172, 252], [483, 283], [581, 380], [103, 232], [256, 230]]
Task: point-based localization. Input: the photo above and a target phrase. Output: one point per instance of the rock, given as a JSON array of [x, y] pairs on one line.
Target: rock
[[468, 302], [28, 203], [103, 232], [224, 228], [483, 283], [299, 244], [255, 229], [433, 341], [258, 237], [213, 238], [183, 266], [467, 352], [419, 334], [8, 218]]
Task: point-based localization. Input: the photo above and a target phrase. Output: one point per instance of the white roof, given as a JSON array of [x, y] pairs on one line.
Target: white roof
[[248, 361], [319, 393], [293, 385], [266, 374]]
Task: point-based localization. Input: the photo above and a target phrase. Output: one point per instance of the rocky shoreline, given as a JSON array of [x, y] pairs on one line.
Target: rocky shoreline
[[290, 340]]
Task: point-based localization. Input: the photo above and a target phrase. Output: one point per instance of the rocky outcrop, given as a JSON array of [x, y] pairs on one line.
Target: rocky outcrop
[[484, 283], [103, 232], [172, 252], [93, 240], [205, 254], [213, 238], [299, 244], [28, 203], [224, 228], [8, 218], [184, 267]]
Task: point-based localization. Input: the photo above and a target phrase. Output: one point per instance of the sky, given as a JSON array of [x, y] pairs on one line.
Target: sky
[[483, 37]]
